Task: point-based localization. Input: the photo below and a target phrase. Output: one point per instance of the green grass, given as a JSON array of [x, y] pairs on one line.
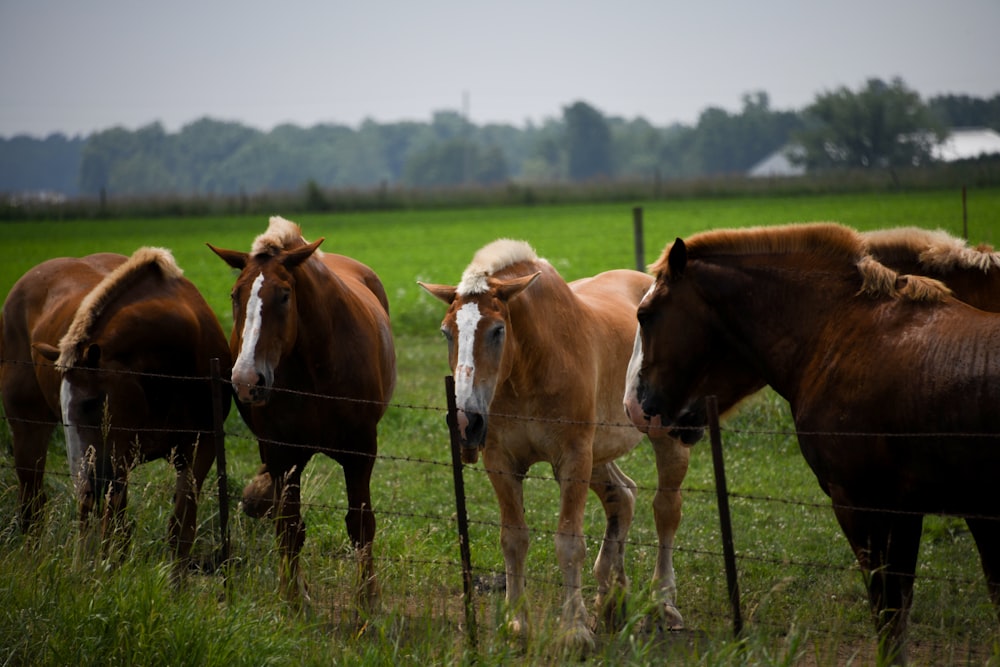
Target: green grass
[[803, 598]]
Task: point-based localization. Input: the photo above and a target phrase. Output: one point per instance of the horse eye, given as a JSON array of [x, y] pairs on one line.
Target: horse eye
[[286, 296], [498, 333], [446, 332]]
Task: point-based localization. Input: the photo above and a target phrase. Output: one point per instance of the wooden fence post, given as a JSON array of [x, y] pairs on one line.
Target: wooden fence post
[[637, 235], [463, 517], [722, 494]]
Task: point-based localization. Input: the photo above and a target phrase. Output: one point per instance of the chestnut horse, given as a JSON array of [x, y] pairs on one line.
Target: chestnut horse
[[117, 348], [539, 370], [972, 273], [891, 383], [314, 369]]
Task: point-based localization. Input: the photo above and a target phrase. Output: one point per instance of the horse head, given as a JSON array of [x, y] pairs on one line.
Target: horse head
[[265, 317], [476, 328], [678, 361]]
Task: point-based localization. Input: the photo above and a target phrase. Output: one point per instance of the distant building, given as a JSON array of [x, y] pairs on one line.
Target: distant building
[[966, 143], [779, 163], [962, 143]]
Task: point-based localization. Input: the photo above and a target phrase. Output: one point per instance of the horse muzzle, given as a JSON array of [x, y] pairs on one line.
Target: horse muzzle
[[472, 434]]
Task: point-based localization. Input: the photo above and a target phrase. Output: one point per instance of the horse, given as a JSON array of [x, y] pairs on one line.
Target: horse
[[889, 379], [314, 369], [972, 273], [117, 348], [539, 369]]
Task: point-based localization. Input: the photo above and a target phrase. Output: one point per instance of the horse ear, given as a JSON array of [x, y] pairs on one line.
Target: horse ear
[[677, 258], [293, 258], [48, 352], [445, 293], [508, 289], [234, 258]]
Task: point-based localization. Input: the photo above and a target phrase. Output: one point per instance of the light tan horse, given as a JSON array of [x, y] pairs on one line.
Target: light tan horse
[[539, 368]]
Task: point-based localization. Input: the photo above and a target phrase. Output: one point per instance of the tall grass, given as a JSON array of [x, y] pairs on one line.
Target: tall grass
[[803, 598]]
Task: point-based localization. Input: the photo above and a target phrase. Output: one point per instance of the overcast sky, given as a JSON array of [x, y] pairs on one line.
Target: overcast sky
[[76, 66]]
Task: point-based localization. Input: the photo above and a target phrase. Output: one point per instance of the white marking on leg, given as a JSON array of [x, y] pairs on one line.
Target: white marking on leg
[[245, 365]]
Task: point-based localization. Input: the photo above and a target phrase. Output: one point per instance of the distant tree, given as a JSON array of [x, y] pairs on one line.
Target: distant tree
[[966, 111], [455, 162], [588, 143], [882, 125], [50, 164]]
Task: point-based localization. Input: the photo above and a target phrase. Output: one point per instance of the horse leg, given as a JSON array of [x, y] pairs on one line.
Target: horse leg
[[617, 493], [115, 531], [182, 525], [31, 445], [291, 533], [886, 547], [672, 458], [573, 474], [986, 532], [360, 520], [507, 478]]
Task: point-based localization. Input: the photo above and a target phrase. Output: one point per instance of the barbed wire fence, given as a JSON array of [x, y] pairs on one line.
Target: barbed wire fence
[[480, 580]]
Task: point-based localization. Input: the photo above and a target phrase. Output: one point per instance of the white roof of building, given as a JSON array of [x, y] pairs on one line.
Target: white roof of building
[[964, 143]]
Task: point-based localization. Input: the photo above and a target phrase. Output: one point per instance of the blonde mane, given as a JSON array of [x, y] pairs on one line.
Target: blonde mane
[[281, 235], [825, 239], [492, 258], [106, 291], [935, 250]]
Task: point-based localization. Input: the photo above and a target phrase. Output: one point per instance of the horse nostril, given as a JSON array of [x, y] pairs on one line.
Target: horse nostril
[[475, 432], [260, 379]]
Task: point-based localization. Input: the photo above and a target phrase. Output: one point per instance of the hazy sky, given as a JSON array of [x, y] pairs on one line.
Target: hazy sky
[[77, 66]]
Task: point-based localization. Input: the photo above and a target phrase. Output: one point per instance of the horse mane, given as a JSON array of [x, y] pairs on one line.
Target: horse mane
[[491, 258], [106, 291], [281, 235], [935, 250], [823, 238]]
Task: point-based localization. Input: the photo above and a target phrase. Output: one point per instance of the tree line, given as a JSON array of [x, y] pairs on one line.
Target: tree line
[[882, 124]]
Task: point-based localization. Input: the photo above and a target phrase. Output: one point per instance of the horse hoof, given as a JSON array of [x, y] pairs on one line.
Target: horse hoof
[[671, 617], [577, 642]]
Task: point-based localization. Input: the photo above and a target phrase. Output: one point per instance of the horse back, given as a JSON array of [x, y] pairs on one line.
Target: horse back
[[370, 354], [359, 275], [39, 309]]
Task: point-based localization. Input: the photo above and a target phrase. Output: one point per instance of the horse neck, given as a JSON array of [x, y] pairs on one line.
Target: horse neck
[[781, 326], [544, 319]]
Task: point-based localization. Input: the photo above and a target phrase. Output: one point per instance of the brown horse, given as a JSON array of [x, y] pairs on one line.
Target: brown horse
[[539, 370], [891, 383], [972, 273], [314, 370], [119, 349]]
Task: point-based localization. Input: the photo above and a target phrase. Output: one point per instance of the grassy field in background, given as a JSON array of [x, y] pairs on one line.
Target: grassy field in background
[[803, 598]]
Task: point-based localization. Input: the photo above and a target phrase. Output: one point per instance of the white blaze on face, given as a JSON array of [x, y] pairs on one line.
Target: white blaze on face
[[245, 364], [74, 443], [631, 399], [467, 319]]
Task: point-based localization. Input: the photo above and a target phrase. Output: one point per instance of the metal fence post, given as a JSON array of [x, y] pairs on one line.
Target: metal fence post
[[722, 494], [463, 518], [220, 462]]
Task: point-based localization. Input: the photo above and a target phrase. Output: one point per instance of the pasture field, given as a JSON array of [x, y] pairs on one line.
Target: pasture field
[[803, 600]]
